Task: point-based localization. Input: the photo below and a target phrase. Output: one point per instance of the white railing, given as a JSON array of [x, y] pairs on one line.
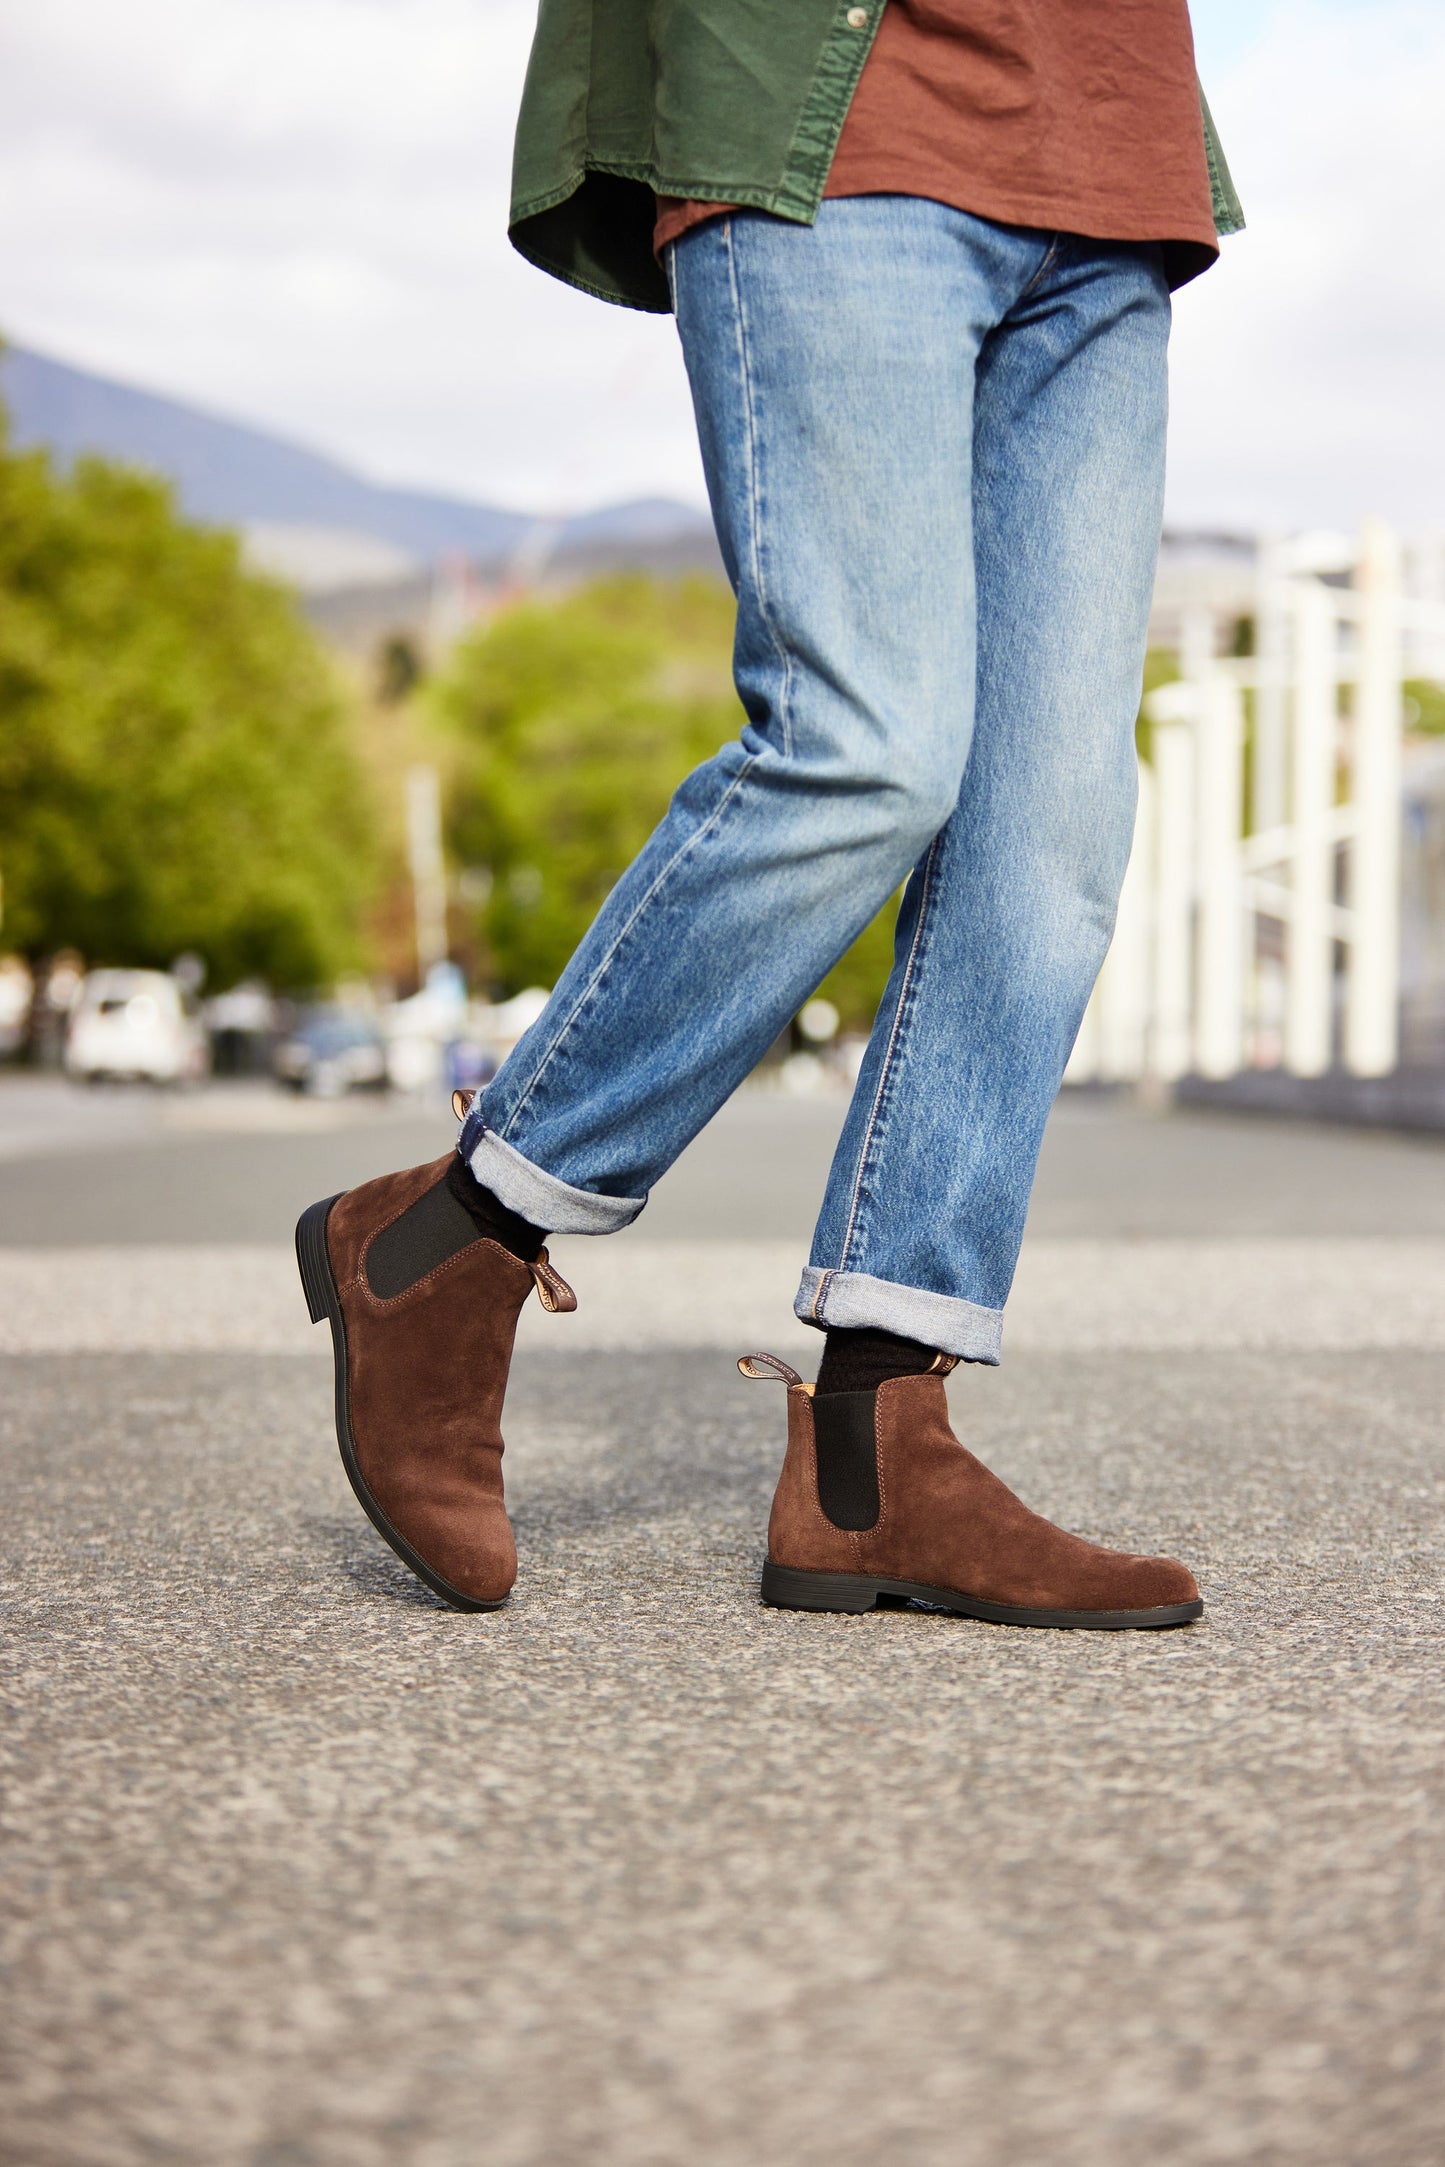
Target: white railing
[[1260, 919]]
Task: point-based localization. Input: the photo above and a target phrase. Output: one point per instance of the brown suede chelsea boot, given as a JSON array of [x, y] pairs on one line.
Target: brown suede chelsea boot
[[878, 1498], [423, 1312]]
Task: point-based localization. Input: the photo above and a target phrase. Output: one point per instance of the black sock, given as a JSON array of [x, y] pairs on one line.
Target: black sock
[[491, 1215], [860, 1361]]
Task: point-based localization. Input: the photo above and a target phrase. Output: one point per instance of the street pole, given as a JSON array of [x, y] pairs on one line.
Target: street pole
[[1271, 696], [1310, 980], [428, 872], [1173, 1003], [1220, 783], [1124, 981], [1372, 996]]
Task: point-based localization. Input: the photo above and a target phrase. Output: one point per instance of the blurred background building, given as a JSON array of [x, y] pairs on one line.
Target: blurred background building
[[359, 607]]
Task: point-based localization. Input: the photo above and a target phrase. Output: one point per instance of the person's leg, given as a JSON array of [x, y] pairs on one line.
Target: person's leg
[[1006, 919], [833, 371], [1003, 927]]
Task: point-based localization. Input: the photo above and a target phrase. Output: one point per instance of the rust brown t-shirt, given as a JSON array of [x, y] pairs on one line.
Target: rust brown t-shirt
[[1078, 116]]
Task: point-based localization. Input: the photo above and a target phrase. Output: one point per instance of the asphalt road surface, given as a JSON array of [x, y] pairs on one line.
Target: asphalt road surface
[[301, 1868]]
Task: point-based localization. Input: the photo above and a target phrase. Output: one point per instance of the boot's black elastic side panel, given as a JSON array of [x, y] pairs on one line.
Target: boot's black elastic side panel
[[847, 1448], [432, 1230]]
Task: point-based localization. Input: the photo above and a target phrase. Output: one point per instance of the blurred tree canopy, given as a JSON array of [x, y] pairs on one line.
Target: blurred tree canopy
[[572, 722], [1425, 707], [176, 768]]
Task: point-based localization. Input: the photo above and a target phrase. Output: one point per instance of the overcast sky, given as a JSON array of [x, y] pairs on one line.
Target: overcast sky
[[293, 211]]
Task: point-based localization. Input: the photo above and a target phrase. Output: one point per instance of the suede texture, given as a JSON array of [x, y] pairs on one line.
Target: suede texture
[[426, 1375], [947, 1522]]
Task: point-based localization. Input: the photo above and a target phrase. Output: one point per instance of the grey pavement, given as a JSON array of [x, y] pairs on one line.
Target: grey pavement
[[235, 1166], [301, 1868]]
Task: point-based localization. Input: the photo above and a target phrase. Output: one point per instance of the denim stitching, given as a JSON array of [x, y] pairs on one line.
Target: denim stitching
[[765, 616], [886, 1067], [1044, 268]]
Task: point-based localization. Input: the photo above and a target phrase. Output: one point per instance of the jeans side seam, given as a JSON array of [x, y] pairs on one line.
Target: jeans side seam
[[755, 503], [815, 1306], [886, 1066], [606, 962]]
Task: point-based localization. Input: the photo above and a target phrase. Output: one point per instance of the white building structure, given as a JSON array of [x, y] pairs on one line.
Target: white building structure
[[1260, 925]]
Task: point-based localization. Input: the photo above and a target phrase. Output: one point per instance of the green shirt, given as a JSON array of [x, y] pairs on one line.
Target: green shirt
[[726, 101]]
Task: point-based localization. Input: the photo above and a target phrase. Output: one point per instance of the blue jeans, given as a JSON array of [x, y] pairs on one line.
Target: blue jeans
[[935, 452]]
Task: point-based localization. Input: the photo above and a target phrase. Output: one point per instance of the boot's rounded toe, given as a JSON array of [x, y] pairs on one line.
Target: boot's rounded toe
[[1089, 1578], [1164, 1583], [479, 1561]]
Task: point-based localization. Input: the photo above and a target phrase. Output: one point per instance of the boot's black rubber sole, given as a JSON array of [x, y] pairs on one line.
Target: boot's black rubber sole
[[791, 1588], [323, 1300]]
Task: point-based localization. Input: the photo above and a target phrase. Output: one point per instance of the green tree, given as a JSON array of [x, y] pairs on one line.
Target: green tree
[[1425, 707], [176, 770], [855, 983], [572, 723]]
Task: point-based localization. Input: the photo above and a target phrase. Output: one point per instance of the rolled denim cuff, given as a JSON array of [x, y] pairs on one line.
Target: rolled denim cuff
[[543, 1199], [855, 1301]]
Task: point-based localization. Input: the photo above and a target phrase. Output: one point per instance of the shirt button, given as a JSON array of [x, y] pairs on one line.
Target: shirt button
[[857, 18]]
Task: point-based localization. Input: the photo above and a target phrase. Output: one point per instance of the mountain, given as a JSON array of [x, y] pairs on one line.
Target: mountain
[[228, 474]]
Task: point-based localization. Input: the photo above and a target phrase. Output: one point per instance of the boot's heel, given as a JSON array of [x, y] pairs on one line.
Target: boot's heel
[[313, 1262], [790, 1588]]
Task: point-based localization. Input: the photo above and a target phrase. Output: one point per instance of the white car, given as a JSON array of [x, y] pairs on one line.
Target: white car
[[133, 1024]]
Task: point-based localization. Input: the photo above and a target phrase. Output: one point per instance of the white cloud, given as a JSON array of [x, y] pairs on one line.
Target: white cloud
[[294, 211], [1309, 363]]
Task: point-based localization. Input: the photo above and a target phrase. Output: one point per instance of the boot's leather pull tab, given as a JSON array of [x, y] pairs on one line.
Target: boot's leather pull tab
[[552, 1289], [770, 1371], [943, 1363], [462, 1103]]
